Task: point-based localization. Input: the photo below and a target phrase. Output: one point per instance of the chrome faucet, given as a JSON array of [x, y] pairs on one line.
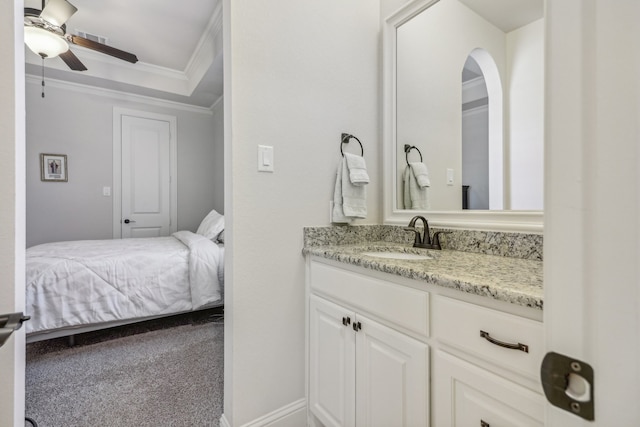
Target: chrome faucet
[[424, 240]]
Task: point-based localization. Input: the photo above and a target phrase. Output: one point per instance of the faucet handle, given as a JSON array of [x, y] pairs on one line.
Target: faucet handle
[[418, 238], [436, 239]]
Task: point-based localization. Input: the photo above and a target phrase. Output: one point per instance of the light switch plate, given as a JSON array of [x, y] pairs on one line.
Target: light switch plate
[[449, 176], [265, 158]]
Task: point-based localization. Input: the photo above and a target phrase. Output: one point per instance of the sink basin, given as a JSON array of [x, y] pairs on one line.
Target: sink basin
[[398, 255]]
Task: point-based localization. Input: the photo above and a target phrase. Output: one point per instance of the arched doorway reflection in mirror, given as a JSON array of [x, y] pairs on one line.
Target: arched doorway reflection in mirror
[[482, 135]]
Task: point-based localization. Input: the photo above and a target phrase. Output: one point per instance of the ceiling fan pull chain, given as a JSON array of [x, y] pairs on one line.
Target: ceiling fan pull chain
[[43, 77]]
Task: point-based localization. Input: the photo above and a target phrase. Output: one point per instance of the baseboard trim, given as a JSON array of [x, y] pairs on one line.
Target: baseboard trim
[[224, 422], [281, 416]]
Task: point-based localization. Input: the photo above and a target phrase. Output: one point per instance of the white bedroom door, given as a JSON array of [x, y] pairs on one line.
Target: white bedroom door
[[147, 193], [592, 209], [12, 210]]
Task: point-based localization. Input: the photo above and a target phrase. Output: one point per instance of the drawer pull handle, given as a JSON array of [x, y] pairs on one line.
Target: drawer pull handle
[[484, 424], [346, 321], [521, 347]]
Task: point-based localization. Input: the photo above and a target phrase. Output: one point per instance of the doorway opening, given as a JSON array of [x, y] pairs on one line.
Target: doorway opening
[[482, 135]]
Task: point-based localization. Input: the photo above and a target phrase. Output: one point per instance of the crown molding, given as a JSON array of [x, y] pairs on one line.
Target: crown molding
[[117, 95], [216, 103], [208, 48], [474, 82], [111, 69]]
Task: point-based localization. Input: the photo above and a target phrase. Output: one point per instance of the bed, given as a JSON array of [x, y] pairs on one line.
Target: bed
[[79, 286]]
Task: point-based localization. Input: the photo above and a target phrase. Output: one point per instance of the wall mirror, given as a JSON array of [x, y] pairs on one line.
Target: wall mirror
[[464, 96]]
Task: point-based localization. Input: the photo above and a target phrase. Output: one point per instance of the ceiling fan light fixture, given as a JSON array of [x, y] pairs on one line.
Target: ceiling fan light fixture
[[44, 43]]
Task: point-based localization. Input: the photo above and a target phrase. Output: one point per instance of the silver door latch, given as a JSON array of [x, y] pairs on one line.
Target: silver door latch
[[9, 323]]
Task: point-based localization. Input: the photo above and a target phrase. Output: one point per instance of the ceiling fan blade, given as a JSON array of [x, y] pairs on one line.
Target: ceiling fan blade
[[57, 12], [103, 48], [72, 61]]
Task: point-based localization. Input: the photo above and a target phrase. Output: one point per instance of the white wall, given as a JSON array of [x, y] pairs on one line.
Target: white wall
[[525, 68], [297, 75], [77, 121]]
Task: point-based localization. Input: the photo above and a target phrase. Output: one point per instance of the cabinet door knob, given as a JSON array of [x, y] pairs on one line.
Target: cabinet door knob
[[518, 346]]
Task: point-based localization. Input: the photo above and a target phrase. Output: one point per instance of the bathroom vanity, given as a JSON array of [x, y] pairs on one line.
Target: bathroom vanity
[[454, 339]]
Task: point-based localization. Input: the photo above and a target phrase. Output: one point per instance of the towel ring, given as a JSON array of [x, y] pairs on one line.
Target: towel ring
[[408, 148], [345, 140]]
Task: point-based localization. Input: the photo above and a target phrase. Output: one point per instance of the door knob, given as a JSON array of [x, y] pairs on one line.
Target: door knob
[[9, 323], [127, 221]]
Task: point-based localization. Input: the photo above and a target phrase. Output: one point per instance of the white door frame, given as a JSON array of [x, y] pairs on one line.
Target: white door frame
[[12, 208], [117, 164], [592, 201]]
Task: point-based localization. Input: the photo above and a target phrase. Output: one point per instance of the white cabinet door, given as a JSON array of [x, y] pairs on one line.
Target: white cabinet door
[[331, 363], [466, 395], [392, 385]]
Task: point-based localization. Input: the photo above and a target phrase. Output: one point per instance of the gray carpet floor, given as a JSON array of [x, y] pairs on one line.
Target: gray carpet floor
[[168, 375]]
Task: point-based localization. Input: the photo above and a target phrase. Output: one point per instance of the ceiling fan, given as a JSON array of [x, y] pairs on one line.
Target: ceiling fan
[[46, 36]]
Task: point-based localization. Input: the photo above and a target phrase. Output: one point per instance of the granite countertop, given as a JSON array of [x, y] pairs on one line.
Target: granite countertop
[[514, 280]]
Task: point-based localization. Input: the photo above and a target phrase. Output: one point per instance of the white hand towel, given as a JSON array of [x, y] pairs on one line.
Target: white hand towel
[[354, 197], [337, 215], [349, 200], [421, 173], [414, 197], [357, 169]]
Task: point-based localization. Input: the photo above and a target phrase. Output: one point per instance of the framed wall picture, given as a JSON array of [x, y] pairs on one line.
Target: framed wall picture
[[53, 167]]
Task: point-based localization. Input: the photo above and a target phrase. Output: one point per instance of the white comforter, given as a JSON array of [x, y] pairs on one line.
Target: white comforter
[[93, 281]]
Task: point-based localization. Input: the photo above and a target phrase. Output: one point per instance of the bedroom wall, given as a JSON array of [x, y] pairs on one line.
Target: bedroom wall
[[217, 186], [77, 121], [297, 75]]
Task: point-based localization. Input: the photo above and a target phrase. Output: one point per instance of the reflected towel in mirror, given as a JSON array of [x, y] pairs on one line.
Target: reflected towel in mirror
[[414, 195], [421, 173]]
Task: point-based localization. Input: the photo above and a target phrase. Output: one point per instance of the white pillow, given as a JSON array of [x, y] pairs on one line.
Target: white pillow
[[212, 225]]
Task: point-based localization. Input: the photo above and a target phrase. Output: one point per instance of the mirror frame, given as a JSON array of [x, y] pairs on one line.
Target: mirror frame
[[507, 221]]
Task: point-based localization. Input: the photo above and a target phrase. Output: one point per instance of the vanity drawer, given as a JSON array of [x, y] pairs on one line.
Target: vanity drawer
[[462, 325], [400, 305], [471, 396]]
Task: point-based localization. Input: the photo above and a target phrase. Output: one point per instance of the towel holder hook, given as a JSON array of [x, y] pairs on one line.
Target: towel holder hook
[[345, 140], [408, 148]]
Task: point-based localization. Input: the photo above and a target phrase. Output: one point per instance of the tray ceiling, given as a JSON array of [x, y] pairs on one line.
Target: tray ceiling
[[178, 44]]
